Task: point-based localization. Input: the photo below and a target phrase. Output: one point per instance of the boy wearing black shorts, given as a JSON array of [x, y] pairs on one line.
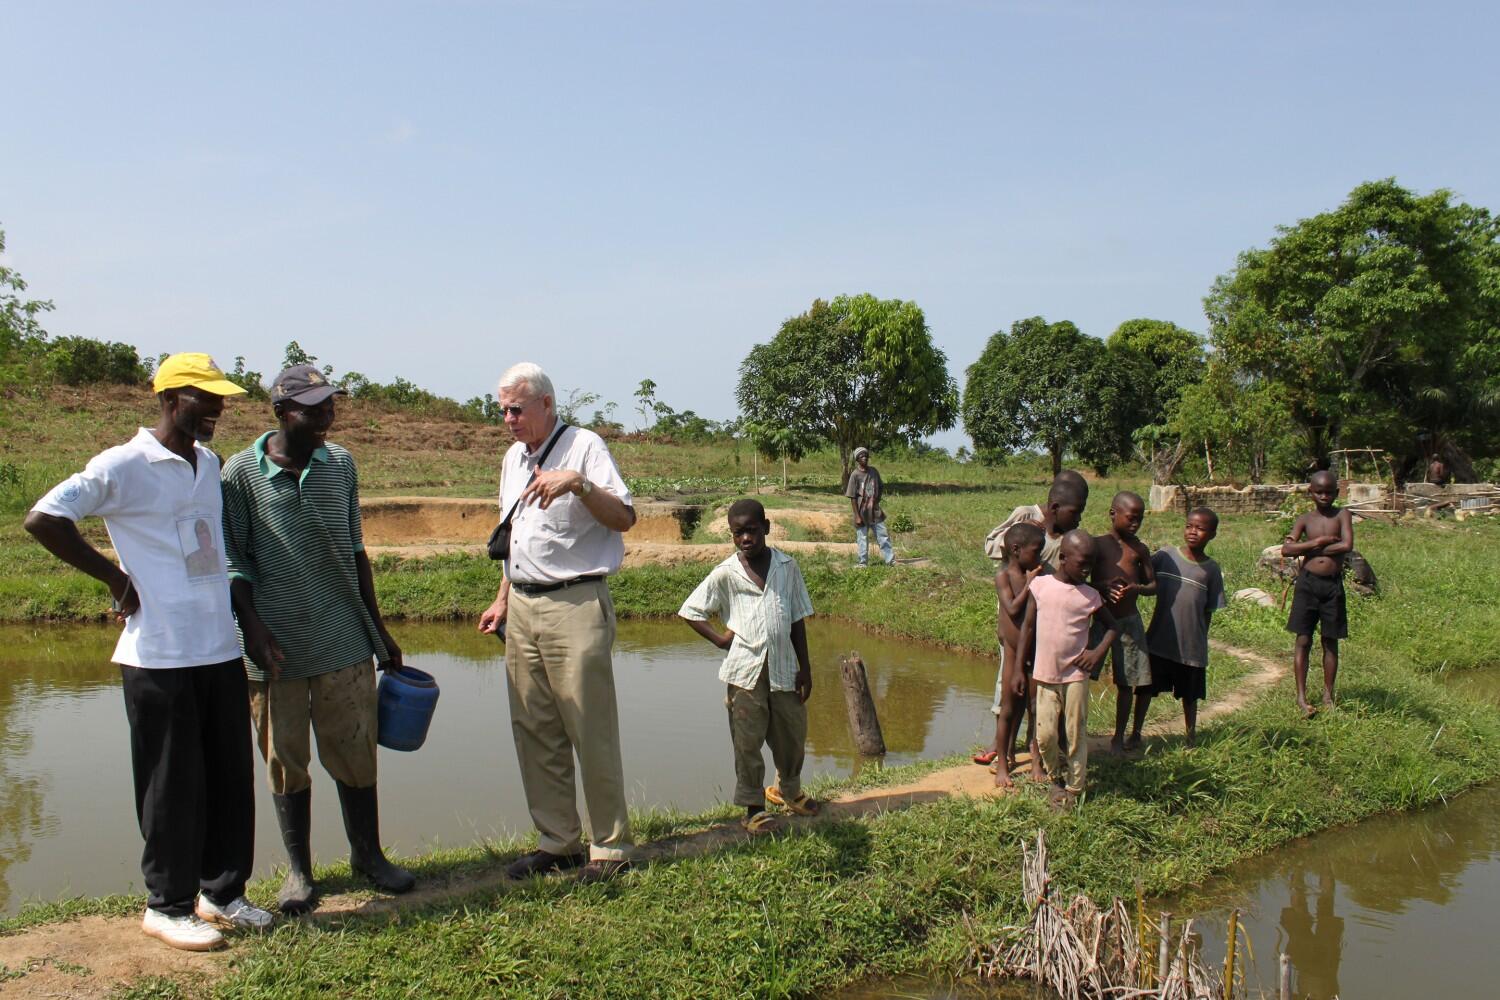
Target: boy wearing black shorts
[[1321, 538], [1189, 589]]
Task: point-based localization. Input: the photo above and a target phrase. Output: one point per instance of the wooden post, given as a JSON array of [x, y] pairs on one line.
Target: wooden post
[[1284, 981], [755, 468], [1233, 939], [1164, 950], [863, 722]]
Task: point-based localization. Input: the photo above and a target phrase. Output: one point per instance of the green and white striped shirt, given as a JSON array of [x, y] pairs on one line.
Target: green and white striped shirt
[[293, 537]]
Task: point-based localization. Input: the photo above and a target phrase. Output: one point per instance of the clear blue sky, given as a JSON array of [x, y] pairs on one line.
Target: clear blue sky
[[623, 191]]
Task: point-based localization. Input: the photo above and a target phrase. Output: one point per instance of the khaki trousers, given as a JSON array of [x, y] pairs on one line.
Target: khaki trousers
[[562, 702], [340, 705], [762, 717], [1068, 703]]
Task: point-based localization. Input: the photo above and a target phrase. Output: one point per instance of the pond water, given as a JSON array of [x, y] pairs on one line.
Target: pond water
[[1398, 906], [67, 819]]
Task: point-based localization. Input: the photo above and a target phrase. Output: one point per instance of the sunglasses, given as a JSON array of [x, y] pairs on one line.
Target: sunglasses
[[516, 410]]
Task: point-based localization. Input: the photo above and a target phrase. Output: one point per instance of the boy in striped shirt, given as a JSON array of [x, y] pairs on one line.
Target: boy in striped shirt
[[759, 595]]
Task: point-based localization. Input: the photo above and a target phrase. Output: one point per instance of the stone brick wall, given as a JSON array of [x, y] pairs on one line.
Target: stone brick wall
[[1223, 499]]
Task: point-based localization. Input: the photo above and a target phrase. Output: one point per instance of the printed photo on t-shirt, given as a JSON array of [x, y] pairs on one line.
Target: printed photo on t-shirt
[[200, 550]]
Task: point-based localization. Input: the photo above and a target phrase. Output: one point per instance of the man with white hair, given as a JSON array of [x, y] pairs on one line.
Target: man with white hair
[[570, 506]]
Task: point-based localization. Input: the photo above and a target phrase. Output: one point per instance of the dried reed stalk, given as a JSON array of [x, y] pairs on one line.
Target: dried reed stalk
[[1083, 952]]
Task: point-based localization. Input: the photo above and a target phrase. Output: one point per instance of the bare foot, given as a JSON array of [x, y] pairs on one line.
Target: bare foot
[[1116, 748], [1307, 710], [1036, 771], [1002, 779], [1192, 739], [1132, 742], [1328, 702]]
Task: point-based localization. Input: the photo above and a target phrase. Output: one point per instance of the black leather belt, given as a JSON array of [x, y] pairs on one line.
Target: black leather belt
[[533, 589]]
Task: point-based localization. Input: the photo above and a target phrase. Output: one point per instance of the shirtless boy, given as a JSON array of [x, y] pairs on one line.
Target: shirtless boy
[[1322, 538], [1023, 543], [1121, 573], [1061, 513]]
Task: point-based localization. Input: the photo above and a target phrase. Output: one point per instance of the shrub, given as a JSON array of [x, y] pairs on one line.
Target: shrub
[[81, 360]]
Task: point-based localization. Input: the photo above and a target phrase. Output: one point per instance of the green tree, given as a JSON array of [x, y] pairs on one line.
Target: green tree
[[855, 371], [251, 381], [1174, 360], [1378, 321], [296, 355], [21, 333], [1050, 387], [82, 361], [648, 406], [1236, 424]]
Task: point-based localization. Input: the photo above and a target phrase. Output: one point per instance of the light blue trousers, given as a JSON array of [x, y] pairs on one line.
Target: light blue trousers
[[882, 538]]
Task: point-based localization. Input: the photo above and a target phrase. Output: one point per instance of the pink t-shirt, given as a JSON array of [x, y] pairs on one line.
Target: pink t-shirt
[[1063, 611]]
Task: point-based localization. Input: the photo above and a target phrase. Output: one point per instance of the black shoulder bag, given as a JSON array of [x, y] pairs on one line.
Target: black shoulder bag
[[499, 543]]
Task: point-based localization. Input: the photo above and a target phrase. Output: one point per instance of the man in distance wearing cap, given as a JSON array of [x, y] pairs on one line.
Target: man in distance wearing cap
[[305, 598], [179, 660], [864, 491]]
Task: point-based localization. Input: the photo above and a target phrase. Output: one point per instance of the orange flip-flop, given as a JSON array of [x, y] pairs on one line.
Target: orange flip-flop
[[802, 805]]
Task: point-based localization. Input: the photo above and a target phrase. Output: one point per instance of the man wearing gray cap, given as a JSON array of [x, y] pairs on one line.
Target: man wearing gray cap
[[305, 599]]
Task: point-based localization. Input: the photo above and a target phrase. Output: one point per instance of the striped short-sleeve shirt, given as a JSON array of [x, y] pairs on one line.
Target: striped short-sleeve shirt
[[761, 620], [293, 538]]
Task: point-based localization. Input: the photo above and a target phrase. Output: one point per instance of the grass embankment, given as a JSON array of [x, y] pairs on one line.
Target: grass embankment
[[913, 890]]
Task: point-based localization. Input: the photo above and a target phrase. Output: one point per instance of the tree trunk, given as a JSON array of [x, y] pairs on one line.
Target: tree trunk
[[1056, 448], [863, 722]]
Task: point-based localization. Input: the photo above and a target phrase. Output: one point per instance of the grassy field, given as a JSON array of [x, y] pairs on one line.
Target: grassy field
[[800, 914]]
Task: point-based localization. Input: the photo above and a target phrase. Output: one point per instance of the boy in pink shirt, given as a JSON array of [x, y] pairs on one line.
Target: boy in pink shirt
[[1058, 617]]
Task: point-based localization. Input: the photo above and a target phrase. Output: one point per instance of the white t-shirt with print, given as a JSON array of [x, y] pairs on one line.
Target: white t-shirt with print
[[165, 522]]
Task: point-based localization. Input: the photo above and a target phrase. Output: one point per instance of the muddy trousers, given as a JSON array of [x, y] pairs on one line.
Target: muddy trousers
[[191, 756], [761, 717], [1064, 707], [342, 708]]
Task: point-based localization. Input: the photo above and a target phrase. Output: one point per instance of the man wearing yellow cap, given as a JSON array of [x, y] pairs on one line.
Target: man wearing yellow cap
[[179, 657]]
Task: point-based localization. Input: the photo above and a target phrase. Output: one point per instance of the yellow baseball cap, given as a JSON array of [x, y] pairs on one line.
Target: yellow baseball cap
[[196, 370]]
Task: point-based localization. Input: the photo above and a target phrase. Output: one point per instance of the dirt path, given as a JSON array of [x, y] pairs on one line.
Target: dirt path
[[89, 957], [636, 553]]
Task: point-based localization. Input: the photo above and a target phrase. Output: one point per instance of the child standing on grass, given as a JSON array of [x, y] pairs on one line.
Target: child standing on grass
[[1023, 543], [1189, 589], [759, 595], [1059, 618], [1061, 513], [1322, 538], [1122, 572]]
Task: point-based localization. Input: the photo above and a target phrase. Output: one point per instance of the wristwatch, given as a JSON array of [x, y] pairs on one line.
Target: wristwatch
[[586, 488]]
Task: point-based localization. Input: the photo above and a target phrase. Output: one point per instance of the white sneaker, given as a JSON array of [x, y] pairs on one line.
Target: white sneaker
[[238, 914], [187, 932]]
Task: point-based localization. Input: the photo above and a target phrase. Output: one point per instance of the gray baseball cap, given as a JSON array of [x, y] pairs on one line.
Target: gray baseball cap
[[303, 384]]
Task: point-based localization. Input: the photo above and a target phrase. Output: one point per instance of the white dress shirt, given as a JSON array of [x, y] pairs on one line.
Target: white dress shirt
[[564, 541]]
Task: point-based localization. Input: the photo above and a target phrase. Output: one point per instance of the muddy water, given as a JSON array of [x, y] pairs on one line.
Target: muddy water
[[67, 820], [1400, 906]]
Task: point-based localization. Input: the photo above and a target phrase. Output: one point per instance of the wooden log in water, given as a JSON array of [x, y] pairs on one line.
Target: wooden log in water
[[863, 722], [1284, 982]]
